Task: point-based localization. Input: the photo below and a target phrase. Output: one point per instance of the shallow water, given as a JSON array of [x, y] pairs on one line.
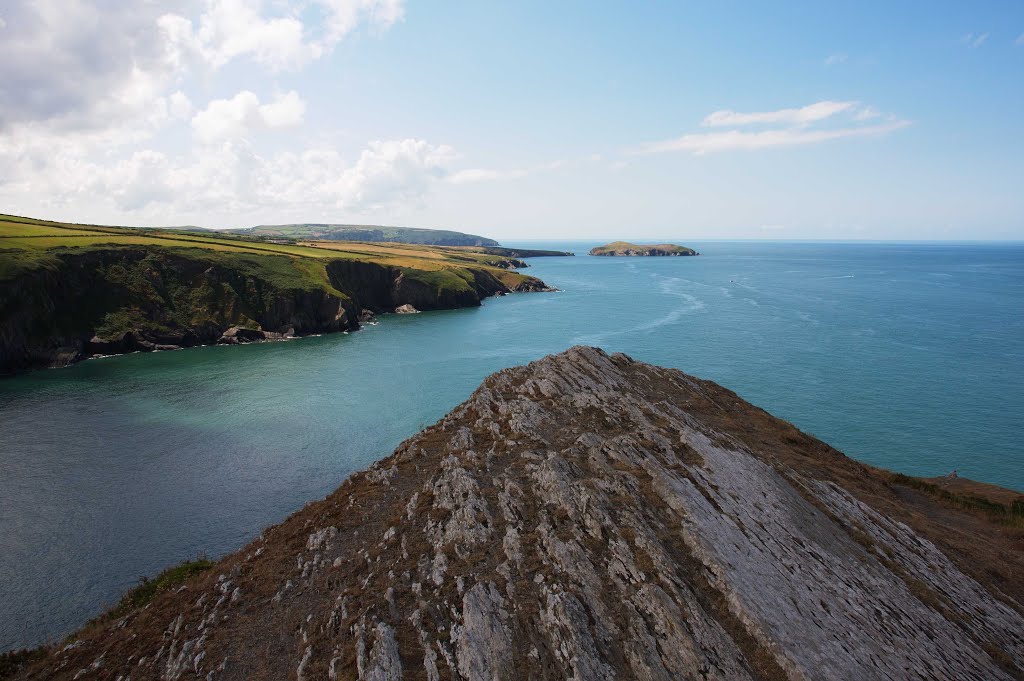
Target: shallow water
[[904, 356]]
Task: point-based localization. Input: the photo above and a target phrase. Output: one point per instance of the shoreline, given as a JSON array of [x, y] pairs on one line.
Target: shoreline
[[276, 338]]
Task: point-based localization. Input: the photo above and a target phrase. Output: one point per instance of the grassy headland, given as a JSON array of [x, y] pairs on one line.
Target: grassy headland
[[374, 233], [68, 291]]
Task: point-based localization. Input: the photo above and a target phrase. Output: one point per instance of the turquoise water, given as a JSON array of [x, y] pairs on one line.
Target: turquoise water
[[905, 356]]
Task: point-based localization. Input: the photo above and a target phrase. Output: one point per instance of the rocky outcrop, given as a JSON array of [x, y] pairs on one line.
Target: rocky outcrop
[[625, 248], [591, 517]]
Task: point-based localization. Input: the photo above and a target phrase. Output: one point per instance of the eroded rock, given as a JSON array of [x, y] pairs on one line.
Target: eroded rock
[[586, 517]]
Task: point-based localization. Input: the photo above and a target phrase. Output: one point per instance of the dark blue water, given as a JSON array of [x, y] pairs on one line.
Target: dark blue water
[[905, 356]]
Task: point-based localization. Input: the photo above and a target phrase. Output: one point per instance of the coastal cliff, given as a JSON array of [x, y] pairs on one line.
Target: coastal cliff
[[118, 299], [69, 291], [625, 248], [589, 516]]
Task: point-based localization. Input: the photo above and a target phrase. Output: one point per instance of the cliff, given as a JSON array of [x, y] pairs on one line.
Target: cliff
[[68, 292], [592, 517], [625, 248]]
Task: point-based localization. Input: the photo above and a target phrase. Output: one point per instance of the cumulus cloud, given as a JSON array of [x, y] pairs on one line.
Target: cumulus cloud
[[227, 176], [73, 60], [389, 171], [77, 63], [230, 29], [91, 92], [812, 124], [242, 114]]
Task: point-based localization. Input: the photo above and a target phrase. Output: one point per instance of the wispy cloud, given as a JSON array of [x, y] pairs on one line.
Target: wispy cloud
[[472, 175], [974, 40], [866, 114], [836, 58], [737, 140], [802, 116], [787, 128], [1019, 40]]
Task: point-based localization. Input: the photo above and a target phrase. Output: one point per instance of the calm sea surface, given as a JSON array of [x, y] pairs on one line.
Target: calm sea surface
[[909, 357]]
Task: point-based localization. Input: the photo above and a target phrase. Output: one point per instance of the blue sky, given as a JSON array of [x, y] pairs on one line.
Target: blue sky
[[520, 120]]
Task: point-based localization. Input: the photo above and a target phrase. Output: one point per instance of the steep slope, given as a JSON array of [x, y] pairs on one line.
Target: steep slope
[[71, 291], [592, 517]]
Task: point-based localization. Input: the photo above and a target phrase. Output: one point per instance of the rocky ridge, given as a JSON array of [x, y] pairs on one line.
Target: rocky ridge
[[592, 517]]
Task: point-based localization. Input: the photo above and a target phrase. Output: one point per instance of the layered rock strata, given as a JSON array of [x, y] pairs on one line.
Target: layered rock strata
[[591, 517]]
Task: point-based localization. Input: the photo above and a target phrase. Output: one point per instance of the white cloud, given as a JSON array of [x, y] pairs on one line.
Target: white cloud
[[243, 114], [866, 114], [802, 116], [472, 175], [226, 177], [77, 63], [812, 124], [736, 140], [974, 40], [390, 171], [837, 58], [1019, 40], [180, 105], [231, 29]]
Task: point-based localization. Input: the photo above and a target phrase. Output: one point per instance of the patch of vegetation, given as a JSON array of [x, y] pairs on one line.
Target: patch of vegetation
[[1012, 514], [14, 661], [148, 589]]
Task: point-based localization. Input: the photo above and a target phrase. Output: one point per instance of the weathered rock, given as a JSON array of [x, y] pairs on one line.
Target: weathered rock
[[406, 309], [590, 517], [237, 334]]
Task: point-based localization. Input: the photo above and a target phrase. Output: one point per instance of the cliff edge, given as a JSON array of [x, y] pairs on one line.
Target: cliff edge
[[589, 516]]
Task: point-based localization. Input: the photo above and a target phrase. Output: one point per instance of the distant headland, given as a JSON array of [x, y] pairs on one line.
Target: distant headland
[[628, 249]]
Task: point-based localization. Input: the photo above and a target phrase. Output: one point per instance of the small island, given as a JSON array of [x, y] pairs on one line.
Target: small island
[[628, 249]]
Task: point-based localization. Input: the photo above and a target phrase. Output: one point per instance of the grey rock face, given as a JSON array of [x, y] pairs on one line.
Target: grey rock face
[[577, 519]]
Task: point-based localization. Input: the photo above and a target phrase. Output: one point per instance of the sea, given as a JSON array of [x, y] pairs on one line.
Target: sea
[[908, 356]]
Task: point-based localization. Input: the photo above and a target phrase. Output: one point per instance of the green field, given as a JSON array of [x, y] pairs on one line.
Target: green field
[[26, 243], [372, 233]]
